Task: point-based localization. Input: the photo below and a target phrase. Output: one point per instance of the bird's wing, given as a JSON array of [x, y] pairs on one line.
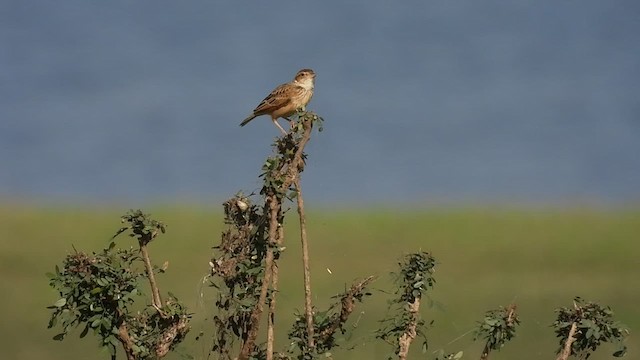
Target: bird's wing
[[279, 97]]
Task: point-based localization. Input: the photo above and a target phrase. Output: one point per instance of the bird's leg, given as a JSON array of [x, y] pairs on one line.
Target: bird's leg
[[275, 121]]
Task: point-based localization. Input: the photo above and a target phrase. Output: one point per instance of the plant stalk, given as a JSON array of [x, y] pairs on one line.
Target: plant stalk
[[410, 333], [566, 351], [305, 264], [157, 301]]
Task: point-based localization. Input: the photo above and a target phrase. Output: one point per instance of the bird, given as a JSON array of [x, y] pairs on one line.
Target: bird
[[286, 99]]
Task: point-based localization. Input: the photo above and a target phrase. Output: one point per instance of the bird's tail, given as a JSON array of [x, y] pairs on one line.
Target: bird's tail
[[246, 121]]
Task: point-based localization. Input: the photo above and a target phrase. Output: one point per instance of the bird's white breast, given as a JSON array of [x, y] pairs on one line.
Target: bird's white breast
[[306, 83]]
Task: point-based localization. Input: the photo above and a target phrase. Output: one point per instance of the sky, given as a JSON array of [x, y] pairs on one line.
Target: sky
[[424, 102]]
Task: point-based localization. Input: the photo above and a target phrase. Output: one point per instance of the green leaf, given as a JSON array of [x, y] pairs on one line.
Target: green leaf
[[60, 303], [620, 353], [120, 231], [59, 337], [106, 323], [112, 350], [112, 339], [84, 332], [53, 321], [589, 333], [491, 322]]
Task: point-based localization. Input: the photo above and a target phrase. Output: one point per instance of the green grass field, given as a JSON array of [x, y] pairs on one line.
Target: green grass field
[[487, 258]]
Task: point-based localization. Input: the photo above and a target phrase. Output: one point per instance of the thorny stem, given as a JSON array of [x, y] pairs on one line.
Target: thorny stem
[[410, 333], [272, 314], [177, 328], [272, 302], [276, 237], [511, 314], [293, 170], [247, 347], [125, 339], [305, 263], [347, 305], [156, 300], [566, 351]]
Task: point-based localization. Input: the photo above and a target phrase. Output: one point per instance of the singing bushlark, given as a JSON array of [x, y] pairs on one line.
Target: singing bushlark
[[286, 99]]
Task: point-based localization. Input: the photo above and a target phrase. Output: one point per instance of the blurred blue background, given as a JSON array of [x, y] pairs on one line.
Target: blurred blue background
[[424, 101]]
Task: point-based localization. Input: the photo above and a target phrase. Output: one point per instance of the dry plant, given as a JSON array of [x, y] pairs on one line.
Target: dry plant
[[404, 323], [326, 323], [497, 328], [99, 291], [584, 327], [245, 269]]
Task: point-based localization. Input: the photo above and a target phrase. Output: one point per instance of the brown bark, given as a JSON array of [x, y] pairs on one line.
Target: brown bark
[[566, 351], [272, 302], [125, 339], [410, 333], [305, 265], [348, 304], [291, 172], [249, 344], [178, 328], [155, 292]]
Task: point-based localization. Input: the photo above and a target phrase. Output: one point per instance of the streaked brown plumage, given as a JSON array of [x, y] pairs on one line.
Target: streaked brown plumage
[[286, 99]]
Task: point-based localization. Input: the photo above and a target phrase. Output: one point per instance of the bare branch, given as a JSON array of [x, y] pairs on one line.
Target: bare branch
[[308, 307], [155, 291], [566, 351], [410, 333], [347, 305], [125, 339], [290, 170], [252, 334]]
